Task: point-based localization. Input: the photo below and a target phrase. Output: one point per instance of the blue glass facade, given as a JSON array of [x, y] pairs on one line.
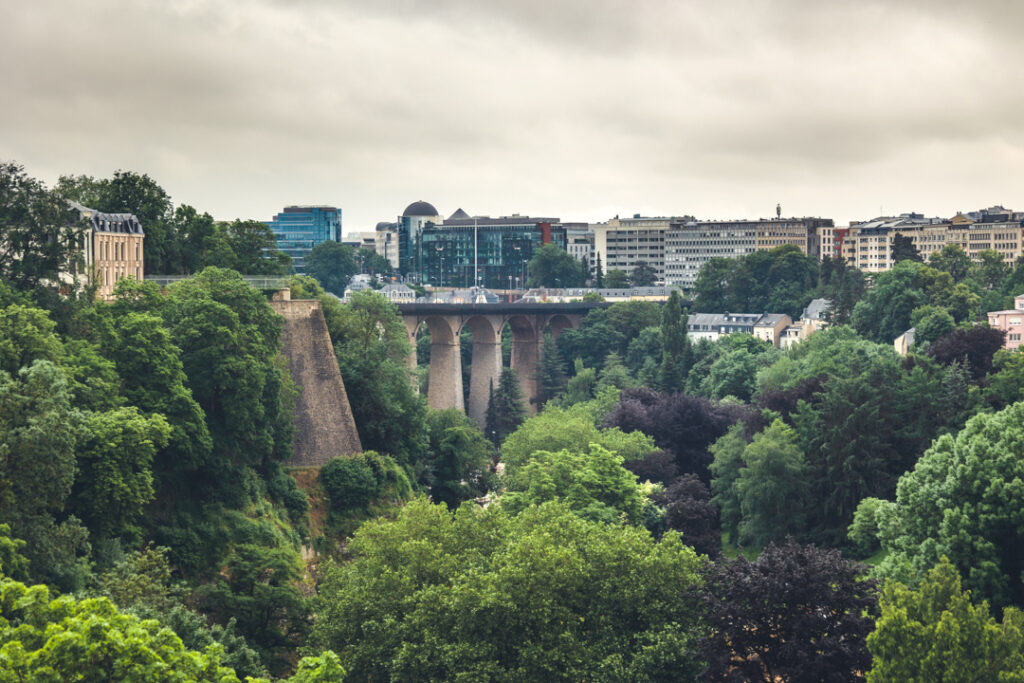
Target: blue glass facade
[[298, 229]]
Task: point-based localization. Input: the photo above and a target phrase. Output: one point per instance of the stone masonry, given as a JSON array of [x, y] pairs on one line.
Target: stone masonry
[[324, 426]]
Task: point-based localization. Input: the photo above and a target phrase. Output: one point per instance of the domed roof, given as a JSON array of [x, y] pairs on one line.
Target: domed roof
[[384, 225], [420, 208]]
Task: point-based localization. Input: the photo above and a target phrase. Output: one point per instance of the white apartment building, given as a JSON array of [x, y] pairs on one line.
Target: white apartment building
[[623, 242]]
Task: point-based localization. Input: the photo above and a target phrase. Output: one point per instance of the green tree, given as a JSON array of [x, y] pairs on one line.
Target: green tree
[[332, 264], [542, 595], [552, 377], [903, 249], [594, 484], [372, 347], [962, 500], [38, 235], [643, 275], [255, 249], [599, 274], [930, 322], [616, 279], [39, 431], [258, 590], [507, 406], [725, 468], [772, 487], [676, 353], [552, 266], [196, 235], [114, 481], [458, 458], [990, 270], [935, 633], [951, 259], [613, 374]]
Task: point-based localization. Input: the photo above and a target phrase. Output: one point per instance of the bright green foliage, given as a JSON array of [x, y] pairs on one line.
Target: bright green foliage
[[114, 481], [487, 596], [676, 355], [557, 429], [505, 407], [965, 500], [727, 452], [260, 594], [372, 348], [990, 270], [594, 485], [772, 488], [936, 634], [458, 459], [863, 532], [332, 264], [44, 639], [38, 433], [580, 386], [552, 266], [12, 563], [26, 334]]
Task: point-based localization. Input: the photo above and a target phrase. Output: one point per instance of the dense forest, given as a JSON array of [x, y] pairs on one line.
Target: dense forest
[[669, 511]]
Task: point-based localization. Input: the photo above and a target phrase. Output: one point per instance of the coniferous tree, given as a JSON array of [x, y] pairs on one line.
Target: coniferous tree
[[676, 354], [599, 274], [552, 378], [505, 410]]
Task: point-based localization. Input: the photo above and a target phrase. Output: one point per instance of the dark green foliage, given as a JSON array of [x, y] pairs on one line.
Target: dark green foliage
[[505, 407], [259, 594], [552, 266], [349, 482], [599, 274], [797, 613], [776, 281], [689, 510], [458, 459], [903, 249], [372, 347], [616, 279], [38, 234], [552, 377], [254, 249], [282, 488], [930, 322], [332, 264], [951, 259], [643, 275], [676, 355]]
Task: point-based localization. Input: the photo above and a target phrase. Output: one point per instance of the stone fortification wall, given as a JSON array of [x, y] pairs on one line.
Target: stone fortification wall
[[324, 426]]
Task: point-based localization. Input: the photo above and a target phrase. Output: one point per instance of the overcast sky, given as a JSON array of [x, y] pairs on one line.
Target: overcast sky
[[580, 109]]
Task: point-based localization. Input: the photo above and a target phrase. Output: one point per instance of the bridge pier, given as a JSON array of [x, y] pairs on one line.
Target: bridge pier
[[446, 322]]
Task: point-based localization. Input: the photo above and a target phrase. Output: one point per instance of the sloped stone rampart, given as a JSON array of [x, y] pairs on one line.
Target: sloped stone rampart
[[324, 426]]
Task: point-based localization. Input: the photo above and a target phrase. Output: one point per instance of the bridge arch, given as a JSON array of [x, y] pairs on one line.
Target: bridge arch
[[445, 385]]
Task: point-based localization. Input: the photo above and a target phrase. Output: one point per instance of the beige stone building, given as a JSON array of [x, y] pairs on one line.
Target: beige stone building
[[112, 248]]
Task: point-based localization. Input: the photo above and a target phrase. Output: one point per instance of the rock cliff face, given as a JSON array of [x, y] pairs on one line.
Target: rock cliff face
[[324, 426]]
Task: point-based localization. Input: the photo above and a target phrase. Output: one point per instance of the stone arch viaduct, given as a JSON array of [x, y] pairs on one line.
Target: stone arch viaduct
[[527, 322]]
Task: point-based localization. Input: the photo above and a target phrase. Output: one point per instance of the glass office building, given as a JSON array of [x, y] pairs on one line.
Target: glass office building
[[503, 247], [298, 229]]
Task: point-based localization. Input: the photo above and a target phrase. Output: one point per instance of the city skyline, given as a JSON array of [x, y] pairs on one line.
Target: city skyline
[[581, 110]]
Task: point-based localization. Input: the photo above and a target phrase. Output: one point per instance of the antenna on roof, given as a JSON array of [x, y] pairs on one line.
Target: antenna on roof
[[778, 210]]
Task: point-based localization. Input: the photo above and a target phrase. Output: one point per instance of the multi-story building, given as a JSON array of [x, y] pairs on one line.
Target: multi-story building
[[868, 245], [494, 250], [298, 229], [387, 242], [1010, 322], [622, 243], [765, 326], [112, 248], [409, 229], [579, 242], [690, 243]]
